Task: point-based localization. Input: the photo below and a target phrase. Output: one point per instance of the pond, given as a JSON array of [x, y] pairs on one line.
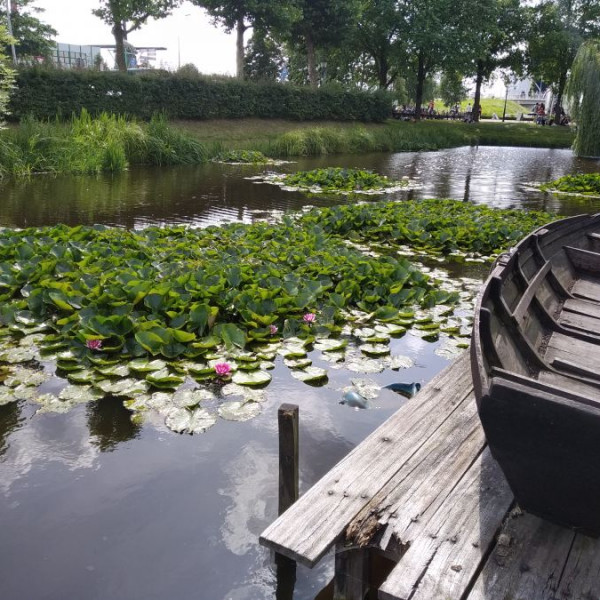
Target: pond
[[96, 506]]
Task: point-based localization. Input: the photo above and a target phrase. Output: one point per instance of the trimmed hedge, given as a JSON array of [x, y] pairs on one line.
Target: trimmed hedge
[[45, 94]]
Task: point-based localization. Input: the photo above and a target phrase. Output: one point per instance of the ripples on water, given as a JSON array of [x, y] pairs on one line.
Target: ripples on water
[[213, 194], [95, 507]]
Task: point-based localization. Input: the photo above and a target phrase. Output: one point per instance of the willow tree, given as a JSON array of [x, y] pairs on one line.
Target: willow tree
[[583, 91]]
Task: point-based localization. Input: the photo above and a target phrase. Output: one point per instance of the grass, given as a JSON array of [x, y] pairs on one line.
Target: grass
[[287, 139], [489, 106]]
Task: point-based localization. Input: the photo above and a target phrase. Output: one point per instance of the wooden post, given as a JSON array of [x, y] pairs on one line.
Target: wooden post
[[287, 418], [351, 578]]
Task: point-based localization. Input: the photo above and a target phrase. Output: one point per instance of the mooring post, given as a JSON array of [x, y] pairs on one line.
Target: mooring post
[[287, 417]]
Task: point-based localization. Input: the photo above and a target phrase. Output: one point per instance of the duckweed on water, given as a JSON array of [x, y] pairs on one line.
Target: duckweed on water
[[164, 307]]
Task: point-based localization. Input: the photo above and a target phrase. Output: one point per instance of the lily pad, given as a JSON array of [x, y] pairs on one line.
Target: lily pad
[[187, 398], [80, 393], [19, 355], [52, 404], [164, 379], [239, 411], [114, 370], [248, 393], [367, 388], [365, 365], [375, 349], [23, 375], [6, 395], [83, 376], [330, 344], [401, 362], [310, 374], [181, 420], [25, 392], [123, 387], [251, 377], [297, 363], [143, 365]]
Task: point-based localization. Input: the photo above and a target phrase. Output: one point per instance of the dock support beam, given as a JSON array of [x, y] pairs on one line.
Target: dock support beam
[[351, 578], [287, 417]]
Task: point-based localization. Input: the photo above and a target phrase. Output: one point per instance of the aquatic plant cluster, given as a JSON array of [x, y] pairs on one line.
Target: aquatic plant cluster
[[131, 313], [432, 226], [587, 184], [242, 157], [336, 179]]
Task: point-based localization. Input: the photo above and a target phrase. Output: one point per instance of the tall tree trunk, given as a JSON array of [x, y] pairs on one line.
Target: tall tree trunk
[[120, 35], [421, 74], [382, 72], [477, 98], [562, 80], [313, 77], [239, 46]]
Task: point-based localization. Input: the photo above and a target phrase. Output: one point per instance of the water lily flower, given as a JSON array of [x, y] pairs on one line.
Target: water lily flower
[[222, 369], [94, 344], [309, 318], [274, 329]]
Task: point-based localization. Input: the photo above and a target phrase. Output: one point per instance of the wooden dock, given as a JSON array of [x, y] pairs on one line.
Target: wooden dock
[[424, 491]]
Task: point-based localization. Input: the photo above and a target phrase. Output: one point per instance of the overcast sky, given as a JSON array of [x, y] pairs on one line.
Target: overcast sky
[[188, 34]]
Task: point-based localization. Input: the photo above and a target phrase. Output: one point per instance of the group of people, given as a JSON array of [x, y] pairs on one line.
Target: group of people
[[541, 118]]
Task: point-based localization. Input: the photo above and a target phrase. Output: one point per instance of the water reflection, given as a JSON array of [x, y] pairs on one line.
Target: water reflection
[[10, 418], [210, 194], [110, 423]]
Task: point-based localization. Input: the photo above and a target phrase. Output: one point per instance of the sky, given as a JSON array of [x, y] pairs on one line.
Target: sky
[[188, 34]]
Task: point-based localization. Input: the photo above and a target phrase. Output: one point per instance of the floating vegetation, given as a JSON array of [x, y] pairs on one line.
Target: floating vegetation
[[583, 184], [149, 316], [337, 180], [245, 157]]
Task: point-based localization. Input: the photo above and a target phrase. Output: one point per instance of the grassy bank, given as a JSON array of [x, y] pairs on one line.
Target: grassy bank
[[111, 143], [284, 139]]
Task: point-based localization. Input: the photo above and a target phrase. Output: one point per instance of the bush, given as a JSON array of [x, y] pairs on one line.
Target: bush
[[46, 94]]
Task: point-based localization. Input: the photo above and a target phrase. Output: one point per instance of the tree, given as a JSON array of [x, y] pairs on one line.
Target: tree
[[452, 89], [264, 59], [321, 25], [500, 29], [33, 38], [583, 91], [125, 16], [436, 38], [267, 15], [558, 28], [7, 74]]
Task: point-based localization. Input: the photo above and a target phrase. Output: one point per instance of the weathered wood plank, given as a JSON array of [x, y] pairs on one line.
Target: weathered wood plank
[[287, 418], [587, 288], [444, 559], [582, 307], [351, 578], [581, 577], [527, 562], [523, 306], [326, 509], [584, 260], [407, 502], [584, 323], [572, 350]]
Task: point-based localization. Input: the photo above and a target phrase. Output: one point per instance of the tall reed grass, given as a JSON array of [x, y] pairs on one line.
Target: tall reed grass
[[89, 144]]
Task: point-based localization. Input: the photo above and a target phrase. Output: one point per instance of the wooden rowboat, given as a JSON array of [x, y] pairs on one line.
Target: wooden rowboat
[[535, 359]]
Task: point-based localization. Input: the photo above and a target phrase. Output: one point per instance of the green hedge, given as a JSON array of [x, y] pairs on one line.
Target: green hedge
[[44, 94]]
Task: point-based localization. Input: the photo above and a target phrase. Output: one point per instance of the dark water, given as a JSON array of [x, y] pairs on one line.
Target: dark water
[[94, 507], [212, 194]]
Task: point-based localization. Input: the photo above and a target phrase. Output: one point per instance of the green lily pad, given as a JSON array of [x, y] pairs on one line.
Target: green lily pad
[[80, 393], [251, 377], [25, 392], [375, 349], [114, 370], [187, 398], [330, 344], [248, 393], [19, 355], [239, 411], [334, 357], [292, 352], [143, 365], [164, 378], [83, 376], [297, 363], [310, 374], [365, 365], [7, 395], [123, 387], [52, 404], [181, 420], [23, 375]]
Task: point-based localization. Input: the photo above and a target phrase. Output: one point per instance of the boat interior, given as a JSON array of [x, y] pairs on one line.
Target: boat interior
[[538, 320]]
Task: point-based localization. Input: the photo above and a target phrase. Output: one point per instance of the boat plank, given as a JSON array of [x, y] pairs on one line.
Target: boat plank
[[584, 260], [522, 307], [587, 288], [331, 504], [579, 321], [527, 561], [444, 559], [564, 349], [576, 305]]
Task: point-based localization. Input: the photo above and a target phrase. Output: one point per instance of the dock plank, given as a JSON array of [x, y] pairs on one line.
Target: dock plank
[[581, 577], [327, 508], [443, 561]]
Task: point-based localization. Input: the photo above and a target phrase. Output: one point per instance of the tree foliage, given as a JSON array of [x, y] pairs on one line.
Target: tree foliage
[[584, 92], [33, 38], [125, 16], [7, 74]]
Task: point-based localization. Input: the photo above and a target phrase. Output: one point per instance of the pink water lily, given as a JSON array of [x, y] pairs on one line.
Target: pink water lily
[[222, 369], [94, 344], [309, 318], [273, 329]]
